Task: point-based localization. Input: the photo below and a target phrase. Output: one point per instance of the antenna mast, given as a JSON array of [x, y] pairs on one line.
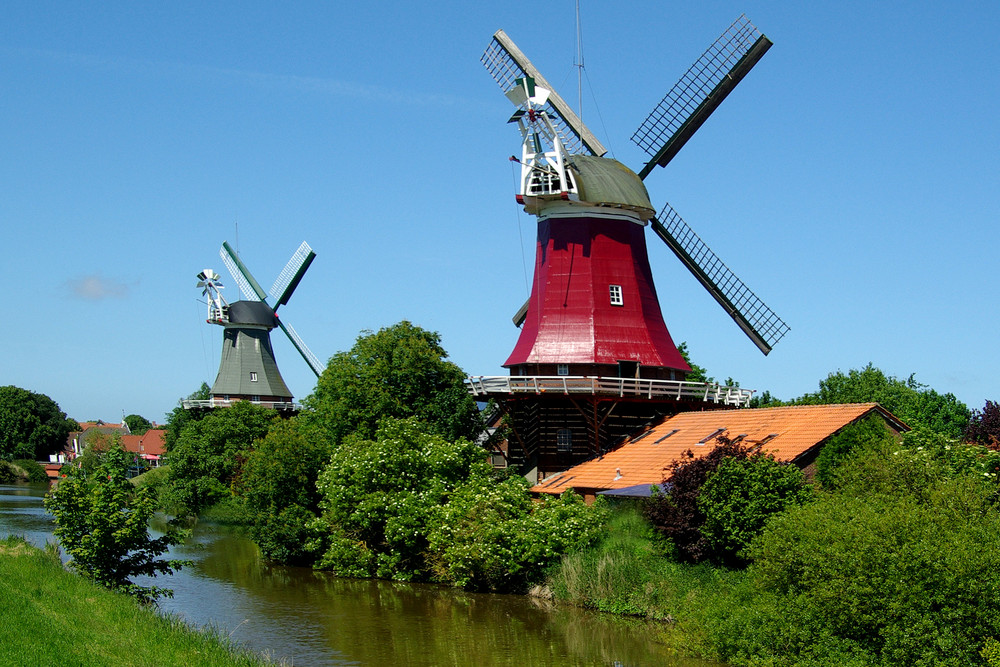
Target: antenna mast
[[579, 62]]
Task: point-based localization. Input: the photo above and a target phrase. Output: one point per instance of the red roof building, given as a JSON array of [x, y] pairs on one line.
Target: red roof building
[[793, 433]]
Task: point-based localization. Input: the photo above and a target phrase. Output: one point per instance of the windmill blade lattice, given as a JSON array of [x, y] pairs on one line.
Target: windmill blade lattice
[[290, 276], [300, 345], [752, 315], [241, 274], [699, 92], [506, 63]]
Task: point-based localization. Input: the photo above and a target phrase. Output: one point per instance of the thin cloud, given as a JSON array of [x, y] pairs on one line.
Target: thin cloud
[[96, 287], [313, 84]]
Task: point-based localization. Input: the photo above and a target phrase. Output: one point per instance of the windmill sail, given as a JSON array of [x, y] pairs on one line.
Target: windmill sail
[[281, 291], [290, 276], [752, 315], [300, 345], [241, 274], [506, 63], [699, 92]]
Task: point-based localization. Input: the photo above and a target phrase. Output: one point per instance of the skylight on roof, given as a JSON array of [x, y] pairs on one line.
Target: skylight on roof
[[659, 440], [711, 436]]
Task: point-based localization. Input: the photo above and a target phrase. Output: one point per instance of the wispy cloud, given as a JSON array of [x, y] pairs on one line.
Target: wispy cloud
[[270, 81], [96, 287]]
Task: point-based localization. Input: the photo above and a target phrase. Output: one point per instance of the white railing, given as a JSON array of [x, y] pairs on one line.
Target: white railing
[[188, 403], [708, 392]]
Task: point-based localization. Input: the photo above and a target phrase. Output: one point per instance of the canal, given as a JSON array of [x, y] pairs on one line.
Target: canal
[[310, 618]]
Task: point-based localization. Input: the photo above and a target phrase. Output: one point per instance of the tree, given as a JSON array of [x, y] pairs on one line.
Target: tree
[[400, 371], [137, 424], [277, 484], [741, 496], [899, 566], [869, 431], [698, 373], [180, 416], [410, 505], [102, 523], [31, 425], [208, 453], [984, 426], [911, 401]]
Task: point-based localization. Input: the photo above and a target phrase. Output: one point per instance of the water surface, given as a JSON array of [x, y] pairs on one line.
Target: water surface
[[310, 618]]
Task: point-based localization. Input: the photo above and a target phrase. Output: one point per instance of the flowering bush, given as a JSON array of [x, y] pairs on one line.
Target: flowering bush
[[411, 505]]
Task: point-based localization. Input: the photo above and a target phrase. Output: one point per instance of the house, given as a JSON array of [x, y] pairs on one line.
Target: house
[[149, 446], [792, 433], [77, 441]]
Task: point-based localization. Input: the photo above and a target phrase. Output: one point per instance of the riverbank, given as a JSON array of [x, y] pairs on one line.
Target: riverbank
[[630, 571], [54, 617]]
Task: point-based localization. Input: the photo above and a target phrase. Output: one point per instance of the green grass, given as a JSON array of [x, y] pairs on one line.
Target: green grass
[[631, 571], [53, 617]]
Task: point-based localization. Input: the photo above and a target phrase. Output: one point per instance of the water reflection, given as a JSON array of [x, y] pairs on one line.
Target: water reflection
[[311, 618]]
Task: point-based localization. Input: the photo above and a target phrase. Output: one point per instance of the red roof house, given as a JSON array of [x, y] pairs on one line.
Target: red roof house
[[792, 433]]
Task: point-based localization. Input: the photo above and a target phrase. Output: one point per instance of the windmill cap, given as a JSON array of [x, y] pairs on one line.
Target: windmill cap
[[252, 312], [606, 181]]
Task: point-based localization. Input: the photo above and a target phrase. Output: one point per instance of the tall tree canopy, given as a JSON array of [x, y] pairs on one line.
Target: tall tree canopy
[[137, 424], [399, 371], [31, 425], [914, 403], [208, 453]]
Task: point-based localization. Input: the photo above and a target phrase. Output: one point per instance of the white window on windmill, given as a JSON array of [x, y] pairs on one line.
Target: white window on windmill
[[564, 440], [562, 369], [616, 295], [253, 376]]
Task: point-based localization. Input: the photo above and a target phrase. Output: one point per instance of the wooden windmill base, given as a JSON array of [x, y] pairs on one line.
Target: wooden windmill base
[[555, 422]]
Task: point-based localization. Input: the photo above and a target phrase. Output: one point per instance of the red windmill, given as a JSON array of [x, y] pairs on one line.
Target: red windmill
[[595, 360]]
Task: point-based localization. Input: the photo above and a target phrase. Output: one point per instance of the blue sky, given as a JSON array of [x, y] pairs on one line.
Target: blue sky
[[852, 180]]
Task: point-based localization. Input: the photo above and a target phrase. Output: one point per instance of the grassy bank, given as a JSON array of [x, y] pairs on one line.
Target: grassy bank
[[53, 617], [631, 571]]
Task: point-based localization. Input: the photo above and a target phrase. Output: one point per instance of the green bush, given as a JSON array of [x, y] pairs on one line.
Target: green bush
[[208, 453], [740, 497], [33, 471], [900, 567], [871, 429], [411, 505], [102, 523], [277, 486], [9, 473]]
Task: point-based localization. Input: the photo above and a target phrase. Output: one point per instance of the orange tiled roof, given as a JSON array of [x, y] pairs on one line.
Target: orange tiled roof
[[151, 442], [786, 432]]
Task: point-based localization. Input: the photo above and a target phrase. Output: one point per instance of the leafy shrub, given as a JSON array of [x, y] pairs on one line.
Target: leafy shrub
[[676, 513], [8, 473], [380, 493], [277, 486], [102, 523], [410, 505], [899, 567], [207, 454], [871, 429], [741, 496], [984, 426], [33, 471], [716, 520]]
